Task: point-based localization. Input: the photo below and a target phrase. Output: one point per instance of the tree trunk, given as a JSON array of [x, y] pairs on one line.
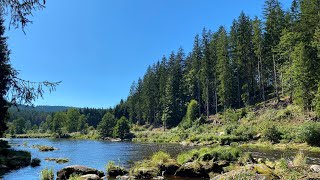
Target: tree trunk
[[275, 78]]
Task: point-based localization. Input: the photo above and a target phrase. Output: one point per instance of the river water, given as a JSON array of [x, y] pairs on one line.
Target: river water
[[96, 154]]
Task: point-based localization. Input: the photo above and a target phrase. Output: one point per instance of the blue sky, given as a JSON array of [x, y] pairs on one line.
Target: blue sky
[[97, 48]]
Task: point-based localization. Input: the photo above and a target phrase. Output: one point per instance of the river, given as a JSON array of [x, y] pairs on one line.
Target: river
[[96, 154]]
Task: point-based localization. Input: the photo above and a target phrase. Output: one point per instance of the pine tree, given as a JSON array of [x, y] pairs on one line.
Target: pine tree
[[302, 76], [274, 24], [223, 69], [5, 70], [257, 41], [173, 111], [206, 71], [196, 66]]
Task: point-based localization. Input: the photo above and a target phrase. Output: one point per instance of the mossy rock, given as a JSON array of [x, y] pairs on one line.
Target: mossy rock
[[58, 160], [145, 172], [169, 168], [192, 169], [117, 171], [44, 148], [261, 169]]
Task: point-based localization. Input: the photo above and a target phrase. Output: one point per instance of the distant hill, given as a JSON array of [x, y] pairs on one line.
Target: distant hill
[[49, 109]]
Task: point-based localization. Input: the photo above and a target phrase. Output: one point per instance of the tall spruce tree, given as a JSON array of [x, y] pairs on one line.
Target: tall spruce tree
[[5, 70], [274, 24], [223, 69], [257, 41]]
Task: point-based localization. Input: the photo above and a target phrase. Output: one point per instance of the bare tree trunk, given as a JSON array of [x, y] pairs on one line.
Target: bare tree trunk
[[238, 86], [275, 78], [262, 81], [207, 98], [215, 95]]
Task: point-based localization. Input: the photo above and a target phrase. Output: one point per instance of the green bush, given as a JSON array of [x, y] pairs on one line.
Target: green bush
[[219, 153], [310, 133], [245, 131], [300, 160], [47, 174], [272, 134], [122, 128], [160, 157], [187, 156], [191, 115], [111, 165]]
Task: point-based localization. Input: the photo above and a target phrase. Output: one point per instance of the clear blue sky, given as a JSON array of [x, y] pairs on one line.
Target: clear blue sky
[[97, 48]]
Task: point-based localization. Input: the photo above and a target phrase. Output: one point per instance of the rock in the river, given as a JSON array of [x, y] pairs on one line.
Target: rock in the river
[[169, 168], [90, 177], [117, 171], [125, 177], [191, 169], [315, 168], [145, 172], [66, 172], [250, 172]]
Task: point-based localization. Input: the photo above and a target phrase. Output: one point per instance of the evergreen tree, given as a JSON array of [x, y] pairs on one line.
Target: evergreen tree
[[206, 71], [223, 69], [257, 41], [5, 69], [196, 67], [274, 24], [172, 114]]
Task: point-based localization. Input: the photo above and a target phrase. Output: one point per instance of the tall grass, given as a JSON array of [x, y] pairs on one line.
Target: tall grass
[[47, 174]]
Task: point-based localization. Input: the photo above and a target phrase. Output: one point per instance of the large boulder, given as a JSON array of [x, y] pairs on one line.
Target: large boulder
[[90, 177], [117, 171], [192, 169], [169, 168], [315, 168], [66, 172], [145, 172], [250, 172]]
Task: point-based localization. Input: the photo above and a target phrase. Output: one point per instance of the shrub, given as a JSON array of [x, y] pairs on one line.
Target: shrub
[[187, 156], [35, 162], [111, 165], [219, 153], [310, 133], [47, 174], [272, 134], [300, 160], [191, 115], [245, 131], [160, 157]]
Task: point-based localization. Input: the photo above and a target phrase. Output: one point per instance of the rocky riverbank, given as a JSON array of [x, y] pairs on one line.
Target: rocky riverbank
[[11, 159]]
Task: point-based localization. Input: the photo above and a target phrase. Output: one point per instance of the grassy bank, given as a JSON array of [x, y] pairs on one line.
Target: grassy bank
[[76, 135], [272, 125], [217, 162]]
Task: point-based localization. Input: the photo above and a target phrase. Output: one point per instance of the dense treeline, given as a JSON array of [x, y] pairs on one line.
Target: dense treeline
[[258, 59], [43, 119]]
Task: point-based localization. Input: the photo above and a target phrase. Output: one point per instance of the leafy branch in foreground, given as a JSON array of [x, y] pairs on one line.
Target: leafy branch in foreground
[[25, 92], [21, 10]]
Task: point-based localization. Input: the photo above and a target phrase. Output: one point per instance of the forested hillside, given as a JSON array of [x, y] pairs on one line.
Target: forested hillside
[[258, 59]]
